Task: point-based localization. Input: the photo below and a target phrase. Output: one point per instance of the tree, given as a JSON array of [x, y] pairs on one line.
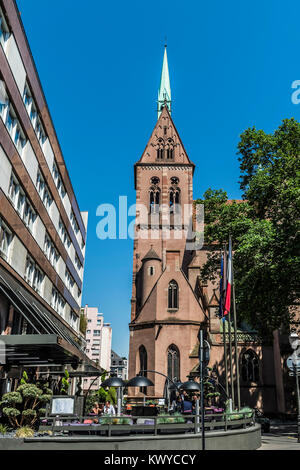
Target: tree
[[265, 228], [26, 404]]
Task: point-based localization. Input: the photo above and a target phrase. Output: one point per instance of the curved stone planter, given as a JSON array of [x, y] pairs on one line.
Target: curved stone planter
[[237, 439]]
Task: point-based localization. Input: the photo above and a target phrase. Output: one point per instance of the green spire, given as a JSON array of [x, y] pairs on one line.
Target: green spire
[[164, 93]]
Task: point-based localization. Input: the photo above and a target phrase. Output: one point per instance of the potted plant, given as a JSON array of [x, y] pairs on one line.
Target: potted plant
[[26, 405]]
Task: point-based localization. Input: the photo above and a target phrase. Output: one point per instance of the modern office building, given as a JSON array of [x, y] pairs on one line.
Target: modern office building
[[42, 230], [98, 343], [119, 366]]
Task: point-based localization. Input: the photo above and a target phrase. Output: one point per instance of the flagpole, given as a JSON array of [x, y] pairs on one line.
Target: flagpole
[[230, 359], [237, 367], [224, 326], [228, 311]]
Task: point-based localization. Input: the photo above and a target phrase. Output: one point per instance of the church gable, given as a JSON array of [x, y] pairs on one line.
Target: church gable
[[157, 306], [164, 145]]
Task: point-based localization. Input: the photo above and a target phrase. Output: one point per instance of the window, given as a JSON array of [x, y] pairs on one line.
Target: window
[[154, 199], [73, 321], [33, 275], [74, 222], [29, 215], [14, 128], [250, 367], [160, 149], [43, 191], [21, 203], [78, 264], [58, 181], [5, 240], [4, 31], [151, 270], [50, 251], [63, 235], [169, 148], [96, 332], [143, 364], [173, 295], [27, 98], [57, 302], [19, 139], [174, 199], [39, 130], [69, 281], [173, 363]]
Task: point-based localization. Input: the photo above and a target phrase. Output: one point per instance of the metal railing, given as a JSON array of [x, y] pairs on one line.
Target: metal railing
[[154, 425]]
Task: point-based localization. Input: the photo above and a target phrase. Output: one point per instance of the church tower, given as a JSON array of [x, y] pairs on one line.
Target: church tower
[[166, 313]]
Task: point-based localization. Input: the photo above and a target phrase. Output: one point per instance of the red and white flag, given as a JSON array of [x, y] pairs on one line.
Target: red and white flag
[[229, 280]]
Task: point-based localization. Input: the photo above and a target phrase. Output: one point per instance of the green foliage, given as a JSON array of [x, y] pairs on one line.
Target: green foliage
[[65, 383], [176, 418], [11, 398], [3, 429], [24, 405], [24, 379], [29, 391], [11, 412], [105, 395], [24, 431], [265, 228], [83, 324]]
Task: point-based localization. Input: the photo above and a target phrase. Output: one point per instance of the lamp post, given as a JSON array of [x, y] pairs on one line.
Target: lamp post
[[295, 344], [118, 384], [175, 385]]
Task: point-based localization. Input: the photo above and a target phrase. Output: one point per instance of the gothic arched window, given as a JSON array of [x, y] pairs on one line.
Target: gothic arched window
[[169, 149], [173, 363], [160, 149], [173, 295], [174, 199], [154, 195], [143, 364], [250, 366]]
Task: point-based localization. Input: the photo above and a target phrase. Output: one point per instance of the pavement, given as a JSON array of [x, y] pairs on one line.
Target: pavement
[[280, 437]]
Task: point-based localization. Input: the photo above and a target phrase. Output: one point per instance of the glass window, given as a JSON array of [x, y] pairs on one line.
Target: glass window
[[173, 363], [173, 295], [5, 240]]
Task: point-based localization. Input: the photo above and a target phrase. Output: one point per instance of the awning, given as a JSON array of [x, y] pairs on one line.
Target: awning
[[52, 343]]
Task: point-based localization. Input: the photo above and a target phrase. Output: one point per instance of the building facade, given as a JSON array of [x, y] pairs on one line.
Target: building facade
[[42, 230], [119, 366], [170, 303], [98, 344]]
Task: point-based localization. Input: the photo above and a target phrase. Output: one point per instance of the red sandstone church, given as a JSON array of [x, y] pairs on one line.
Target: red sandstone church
[[169, 301]]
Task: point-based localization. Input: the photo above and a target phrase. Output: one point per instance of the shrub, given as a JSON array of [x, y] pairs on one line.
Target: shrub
[[3, 429], [24, 406], [25, 431]]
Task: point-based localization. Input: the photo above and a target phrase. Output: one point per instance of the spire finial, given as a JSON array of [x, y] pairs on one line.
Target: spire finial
[[164, 93]]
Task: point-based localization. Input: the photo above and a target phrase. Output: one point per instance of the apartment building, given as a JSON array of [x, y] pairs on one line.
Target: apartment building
[[42, 230], [98, 343], [119, 366]]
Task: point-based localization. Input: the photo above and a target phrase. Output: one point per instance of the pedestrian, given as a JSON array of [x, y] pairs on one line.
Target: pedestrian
[[109, 409]]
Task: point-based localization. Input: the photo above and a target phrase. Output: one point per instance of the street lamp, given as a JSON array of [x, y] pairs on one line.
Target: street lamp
[[295, 344], [139, 381], [118, 384]]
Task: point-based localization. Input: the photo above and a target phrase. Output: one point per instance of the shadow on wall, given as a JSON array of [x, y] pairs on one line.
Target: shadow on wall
[[260, 394]]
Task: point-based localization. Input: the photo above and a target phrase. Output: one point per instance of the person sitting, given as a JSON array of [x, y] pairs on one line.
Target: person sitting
[[186, 406], [109, 409], [97, 410]]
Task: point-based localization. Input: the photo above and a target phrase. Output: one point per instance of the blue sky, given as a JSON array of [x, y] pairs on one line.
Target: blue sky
[[231, 67]]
